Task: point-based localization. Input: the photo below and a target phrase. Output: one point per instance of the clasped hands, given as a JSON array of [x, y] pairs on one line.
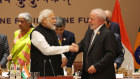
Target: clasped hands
[[74, 47]]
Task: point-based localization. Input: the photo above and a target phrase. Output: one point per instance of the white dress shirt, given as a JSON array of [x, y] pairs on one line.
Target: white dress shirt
[[39, 41], [95, 32]]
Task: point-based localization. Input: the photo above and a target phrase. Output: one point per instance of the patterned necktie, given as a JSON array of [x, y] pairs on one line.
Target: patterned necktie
[[59, 42], [59, 39]]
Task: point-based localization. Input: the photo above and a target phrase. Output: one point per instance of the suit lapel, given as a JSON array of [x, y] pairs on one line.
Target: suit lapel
[[89, 37], [96, 38]]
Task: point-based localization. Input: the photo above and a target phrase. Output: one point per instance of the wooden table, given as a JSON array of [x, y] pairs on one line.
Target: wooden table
[[67, 77], [61, 77]]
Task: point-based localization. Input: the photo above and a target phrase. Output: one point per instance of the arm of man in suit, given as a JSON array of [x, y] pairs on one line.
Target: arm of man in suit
[[70, 40], [72, 56], [81, 44], [120, 54], [75, 47], [110, 48], [5, 51]]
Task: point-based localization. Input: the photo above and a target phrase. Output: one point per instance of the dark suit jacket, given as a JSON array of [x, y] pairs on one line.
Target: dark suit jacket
[[101, 54], [4, 50], [114, 27], [68, 39], [120, 54]]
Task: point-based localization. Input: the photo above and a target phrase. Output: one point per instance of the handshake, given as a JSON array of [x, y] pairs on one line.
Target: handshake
[[74, 47]]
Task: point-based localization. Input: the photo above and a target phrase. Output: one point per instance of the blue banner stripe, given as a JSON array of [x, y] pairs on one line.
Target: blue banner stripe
[[137, 55]]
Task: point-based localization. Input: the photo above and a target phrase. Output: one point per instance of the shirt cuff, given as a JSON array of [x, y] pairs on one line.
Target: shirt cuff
[[66, 48]]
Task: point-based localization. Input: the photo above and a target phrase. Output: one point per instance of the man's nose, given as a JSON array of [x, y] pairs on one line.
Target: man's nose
[[19, 23], [89, 21], [58, 31]]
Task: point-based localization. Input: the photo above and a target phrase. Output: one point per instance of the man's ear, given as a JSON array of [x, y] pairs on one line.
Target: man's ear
[[45, 20]]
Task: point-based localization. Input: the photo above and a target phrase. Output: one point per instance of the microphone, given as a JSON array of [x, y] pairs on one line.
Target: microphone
[[51, 67], [44, 68]]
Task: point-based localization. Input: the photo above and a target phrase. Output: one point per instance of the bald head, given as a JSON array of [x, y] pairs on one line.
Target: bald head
[[108, 14]]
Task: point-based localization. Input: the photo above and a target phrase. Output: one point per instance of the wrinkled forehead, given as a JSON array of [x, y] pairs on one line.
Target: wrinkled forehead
[[60, 28], [93, 15]]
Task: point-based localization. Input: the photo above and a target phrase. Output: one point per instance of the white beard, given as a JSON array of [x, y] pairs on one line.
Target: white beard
[[51, 26], [92, 27]]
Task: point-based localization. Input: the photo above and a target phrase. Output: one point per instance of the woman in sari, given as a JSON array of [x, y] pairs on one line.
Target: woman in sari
[[21, 44]]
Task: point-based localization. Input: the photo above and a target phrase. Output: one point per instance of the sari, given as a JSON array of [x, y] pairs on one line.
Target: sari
[[21, 49]]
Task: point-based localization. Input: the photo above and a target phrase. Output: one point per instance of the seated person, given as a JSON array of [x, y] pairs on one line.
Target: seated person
[[65, 38]]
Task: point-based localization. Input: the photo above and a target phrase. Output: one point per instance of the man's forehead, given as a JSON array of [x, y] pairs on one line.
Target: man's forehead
[[51, 15], [92, 15], [60, 27], [21, 18]]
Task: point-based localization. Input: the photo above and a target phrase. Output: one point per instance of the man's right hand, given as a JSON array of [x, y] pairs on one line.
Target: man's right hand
[[64, 62], [115, 66], [74, 48], [9, 58]]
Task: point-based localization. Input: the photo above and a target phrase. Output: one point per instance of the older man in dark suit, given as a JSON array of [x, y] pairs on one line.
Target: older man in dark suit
[[4, 50], [99, 48]]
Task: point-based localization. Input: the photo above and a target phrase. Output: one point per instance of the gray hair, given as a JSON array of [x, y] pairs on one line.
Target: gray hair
[[44, 13], [26, 16], [108, 13], [100, 13]]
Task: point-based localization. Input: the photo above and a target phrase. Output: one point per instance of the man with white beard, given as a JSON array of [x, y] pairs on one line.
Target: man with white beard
[[45, 49]]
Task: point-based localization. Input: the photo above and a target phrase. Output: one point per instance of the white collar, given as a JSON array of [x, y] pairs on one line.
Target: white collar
[[97, 29]]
